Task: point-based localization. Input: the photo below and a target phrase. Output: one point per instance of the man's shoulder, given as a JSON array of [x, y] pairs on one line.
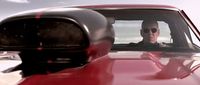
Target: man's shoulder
[[141, 44], [135, 44]]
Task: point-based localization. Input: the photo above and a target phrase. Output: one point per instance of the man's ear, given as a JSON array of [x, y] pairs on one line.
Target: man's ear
[[158, 32]]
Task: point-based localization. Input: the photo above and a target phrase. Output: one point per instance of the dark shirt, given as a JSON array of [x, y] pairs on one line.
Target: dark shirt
[[144, 46]]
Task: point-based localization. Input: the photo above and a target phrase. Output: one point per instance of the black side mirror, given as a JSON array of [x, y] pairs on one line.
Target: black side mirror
[[56, 40]]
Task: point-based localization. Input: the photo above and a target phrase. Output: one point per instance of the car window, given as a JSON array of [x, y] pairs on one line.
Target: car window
[[174, 30], [128, 31]]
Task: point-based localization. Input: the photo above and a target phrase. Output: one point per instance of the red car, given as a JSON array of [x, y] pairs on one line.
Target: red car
[[98, 45]]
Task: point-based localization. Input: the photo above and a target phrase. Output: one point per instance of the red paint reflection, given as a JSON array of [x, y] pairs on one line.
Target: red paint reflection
[[175, 67]]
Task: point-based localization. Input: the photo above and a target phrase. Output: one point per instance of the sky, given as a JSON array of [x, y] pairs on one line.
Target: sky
[[8, 7]]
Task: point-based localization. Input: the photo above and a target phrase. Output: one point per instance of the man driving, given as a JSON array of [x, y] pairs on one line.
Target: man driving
[[150, 32]]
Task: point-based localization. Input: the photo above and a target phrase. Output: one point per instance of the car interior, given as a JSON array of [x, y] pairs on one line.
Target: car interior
[[175, 33]]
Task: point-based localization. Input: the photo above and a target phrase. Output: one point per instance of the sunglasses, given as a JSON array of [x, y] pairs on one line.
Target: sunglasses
[[153, 30]]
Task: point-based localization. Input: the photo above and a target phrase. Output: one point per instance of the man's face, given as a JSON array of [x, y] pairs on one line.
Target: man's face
[[150, 32]]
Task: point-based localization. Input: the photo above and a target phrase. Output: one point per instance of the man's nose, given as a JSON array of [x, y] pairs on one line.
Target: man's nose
[[150, 32]]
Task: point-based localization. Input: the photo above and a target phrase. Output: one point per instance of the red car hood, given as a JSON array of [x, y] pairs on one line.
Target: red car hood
[[128, 68]]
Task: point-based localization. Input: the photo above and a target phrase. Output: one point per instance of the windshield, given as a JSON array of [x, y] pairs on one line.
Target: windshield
[[172, 32]]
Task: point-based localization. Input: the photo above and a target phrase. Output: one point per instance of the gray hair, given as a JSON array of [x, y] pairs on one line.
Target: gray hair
[[149, 21]]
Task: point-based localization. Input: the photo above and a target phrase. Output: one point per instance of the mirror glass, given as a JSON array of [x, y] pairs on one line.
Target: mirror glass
[[45, 32]]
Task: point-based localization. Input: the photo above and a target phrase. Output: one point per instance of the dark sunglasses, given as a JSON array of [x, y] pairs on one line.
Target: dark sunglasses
[[153, 30]]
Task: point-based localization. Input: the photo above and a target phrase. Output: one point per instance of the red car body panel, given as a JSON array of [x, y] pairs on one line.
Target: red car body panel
[[133, 6], [128, 68]]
